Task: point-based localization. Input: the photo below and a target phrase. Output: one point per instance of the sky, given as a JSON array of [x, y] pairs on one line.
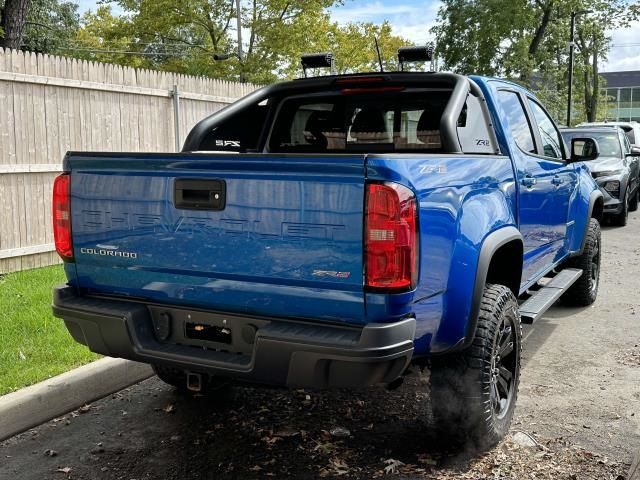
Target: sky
[[412, 20]]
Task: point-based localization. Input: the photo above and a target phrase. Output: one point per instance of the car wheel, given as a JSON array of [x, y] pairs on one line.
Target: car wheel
[[585, 290], [633, 204], [473, 393], [621, 218]]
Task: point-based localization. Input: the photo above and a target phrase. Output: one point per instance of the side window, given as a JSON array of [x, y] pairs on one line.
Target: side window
[[517, 118], [626, 146], [632, 135], [551, 139]]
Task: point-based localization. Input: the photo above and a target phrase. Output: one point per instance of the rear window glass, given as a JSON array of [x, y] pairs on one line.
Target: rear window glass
[[384, 122]]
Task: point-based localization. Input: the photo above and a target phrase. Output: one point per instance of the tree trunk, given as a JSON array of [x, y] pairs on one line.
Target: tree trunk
[[537, 39], [591, 81], [595, 92], [14, 19], [541, 30], [587, 92]]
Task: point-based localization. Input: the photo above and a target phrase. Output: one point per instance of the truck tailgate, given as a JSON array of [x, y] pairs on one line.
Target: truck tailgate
[[268, 235]]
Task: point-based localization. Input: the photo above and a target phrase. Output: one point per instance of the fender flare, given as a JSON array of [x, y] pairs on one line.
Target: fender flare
[[593, 197], [490, 246]]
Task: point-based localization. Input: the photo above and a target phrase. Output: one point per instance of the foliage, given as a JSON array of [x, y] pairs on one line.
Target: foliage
[[353, 46], [103, 37], [188, 34], [526, 40], [51, 25], [13, 18], [185, 36]]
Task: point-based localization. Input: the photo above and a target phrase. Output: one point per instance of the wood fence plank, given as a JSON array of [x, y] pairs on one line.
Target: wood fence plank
[[53, 104], [7, 121]]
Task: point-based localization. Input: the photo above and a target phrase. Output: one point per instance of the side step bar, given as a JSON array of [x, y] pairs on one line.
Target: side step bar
[[533, 308]]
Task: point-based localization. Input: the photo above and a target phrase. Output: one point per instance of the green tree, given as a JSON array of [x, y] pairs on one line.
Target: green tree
[[104, 37], [185, 37], [491, 37], [526, 40], [38, 25], [13, 19], [201, 29], [51, 25], [353, 46]]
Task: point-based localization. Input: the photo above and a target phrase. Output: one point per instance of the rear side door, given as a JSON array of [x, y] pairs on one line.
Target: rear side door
[[543, 185]]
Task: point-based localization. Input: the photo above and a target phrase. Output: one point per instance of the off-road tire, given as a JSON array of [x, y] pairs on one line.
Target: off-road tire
[[585, 290], [178, 378], [463, 385], [633, 204], [620, 219]]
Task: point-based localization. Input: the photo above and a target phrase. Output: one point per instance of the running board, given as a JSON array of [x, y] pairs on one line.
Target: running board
[[533, 308]]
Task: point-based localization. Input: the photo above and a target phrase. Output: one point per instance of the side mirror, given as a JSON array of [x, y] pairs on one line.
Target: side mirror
[[584, 149], [635, 151]]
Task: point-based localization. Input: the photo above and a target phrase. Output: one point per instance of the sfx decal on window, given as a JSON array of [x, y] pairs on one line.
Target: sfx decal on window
[[228, 143]]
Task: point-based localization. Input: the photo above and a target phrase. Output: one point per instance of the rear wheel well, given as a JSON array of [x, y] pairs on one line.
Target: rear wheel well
[[506, 266]]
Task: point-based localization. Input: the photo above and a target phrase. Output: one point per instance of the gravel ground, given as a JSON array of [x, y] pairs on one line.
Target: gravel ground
[[577, 415]]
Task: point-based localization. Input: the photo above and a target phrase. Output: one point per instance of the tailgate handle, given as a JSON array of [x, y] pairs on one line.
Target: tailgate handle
[[199, 194]]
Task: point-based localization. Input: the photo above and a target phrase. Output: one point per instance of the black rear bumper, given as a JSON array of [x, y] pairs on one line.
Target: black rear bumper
[[270, 351]]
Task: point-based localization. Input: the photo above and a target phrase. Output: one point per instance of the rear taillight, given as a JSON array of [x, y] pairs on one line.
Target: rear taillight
[[62, 217], [391, 238]]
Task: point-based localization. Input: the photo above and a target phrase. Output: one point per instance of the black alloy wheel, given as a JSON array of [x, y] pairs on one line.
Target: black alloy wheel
[[504, 368], [474, 392]]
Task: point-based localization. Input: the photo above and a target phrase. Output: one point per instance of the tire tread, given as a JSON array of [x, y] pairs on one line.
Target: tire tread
[[457, 402], [580, 294]]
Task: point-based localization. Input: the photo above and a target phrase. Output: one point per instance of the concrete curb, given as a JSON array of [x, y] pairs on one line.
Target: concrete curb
[[39, 403]]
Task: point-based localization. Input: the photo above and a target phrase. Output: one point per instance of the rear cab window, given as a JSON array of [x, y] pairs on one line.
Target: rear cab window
[[391, 122], [354, 115]]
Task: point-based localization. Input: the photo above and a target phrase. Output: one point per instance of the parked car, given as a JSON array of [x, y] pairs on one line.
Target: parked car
[[330, 232], [631, 129], [615, 170]]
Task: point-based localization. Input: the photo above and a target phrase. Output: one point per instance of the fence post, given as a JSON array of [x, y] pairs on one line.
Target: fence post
[[175, 94]]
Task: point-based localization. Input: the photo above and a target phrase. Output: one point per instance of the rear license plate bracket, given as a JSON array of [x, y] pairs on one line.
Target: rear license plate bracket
[[208, 333]]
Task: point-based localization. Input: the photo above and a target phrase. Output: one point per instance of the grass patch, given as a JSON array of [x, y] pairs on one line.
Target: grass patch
[[34, 345]]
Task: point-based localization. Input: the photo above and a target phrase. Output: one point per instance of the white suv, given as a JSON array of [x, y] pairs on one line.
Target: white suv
[[631, 129]]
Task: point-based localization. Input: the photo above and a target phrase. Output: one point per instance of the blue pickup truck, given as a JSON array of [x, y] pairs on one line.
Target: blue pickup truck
[[333, 231]]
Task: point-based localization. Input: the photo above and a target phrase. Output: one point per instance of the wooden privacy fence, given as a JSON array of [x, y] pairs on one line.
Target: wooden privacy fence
[[50, 105]]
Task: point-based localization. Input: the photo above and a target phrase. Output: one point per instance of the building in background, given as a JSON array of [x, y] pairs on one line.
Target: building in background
[[623, 96]]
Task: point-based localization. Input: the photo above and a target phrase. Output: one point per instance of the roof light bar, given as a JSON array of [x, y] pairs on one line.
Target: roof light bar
[[422, 53], [317, 60]]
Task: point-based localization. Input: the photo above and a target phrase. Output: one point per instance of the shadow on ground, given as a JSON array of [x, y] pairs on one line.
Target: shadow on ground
[[151, 431]]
